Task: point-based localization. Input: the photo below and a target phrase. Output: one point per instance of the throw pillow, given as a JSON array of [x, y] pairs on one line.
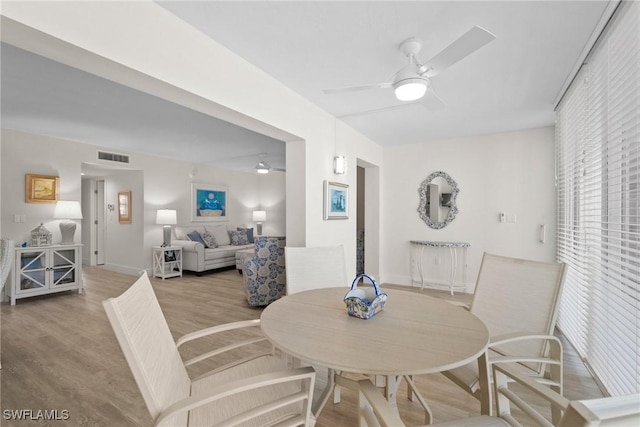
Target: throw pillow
[[209, 240], [195, 236], [220, 233], [239, 237], [249, 233], [180, 233]]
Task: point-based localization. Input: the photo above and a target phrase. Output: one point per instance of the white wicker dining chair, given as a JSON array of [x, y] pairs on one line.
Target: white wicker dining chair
[[621, 411], [310, 268], [254, 391], [518, 301], [6, 259]]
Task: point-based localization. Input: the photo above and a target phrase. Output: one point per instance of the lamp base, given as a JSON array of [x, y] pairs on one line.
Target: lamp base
[[67, 230], [166, 236], [259, 228]]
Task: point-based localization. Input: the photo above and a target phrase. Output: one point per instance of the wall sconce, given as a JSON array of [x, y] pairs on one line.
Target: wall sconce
[[167, 218], [258, 218], [340, 165]]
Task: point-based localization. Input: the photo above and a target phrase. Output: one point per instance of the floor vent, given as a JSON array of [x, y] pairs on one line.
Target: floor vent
[[113, 157]]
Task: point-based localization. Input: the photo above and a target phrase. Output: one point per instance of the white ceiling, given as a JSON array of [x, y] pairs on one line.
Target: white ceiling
[[309, 46]]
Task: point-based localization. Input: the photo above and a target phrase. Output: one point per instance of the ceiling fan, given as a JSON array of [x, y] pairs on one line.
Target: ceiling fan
[[263, 167], [411, 82]]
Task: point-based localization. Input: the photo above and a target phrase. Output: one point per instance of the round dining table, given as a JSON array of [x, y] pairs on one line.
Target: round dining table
[[414, 334]]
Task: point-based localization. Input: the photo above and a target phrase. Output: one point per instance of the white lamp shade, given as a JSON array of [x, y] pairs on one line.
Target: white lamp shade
[[67, 210], [166, 217], [259, 216], [410, 89]]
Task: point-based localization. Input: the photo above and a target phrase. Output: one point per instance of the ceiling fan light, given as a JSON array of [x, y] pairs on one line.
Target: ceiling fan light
[[263, 167], [410, 89]]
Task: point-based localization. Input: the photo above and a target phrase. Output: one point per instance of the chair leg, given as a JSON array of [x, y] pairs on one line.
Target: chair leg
[[336, 394], [428, 415], [484, 389]]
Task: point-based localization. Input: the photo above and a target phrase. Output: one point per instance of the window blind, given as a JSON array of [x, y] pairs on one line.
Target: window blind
[[598, 212]]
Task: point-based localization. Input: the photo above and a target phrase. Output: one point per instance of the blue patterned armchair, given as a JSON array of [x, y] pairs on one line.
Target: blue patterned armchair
[[264, 274]]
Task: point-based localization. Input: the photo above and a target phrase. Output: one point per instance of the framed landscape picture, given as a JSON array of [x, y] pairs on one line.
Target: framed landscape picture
[[124, 207], [209, 203], [41, 188], [336, 200]]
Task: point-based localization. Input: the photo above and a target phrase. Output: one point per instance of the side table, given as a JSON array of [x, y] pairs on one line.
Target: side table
[[453, 252], [167, 261]]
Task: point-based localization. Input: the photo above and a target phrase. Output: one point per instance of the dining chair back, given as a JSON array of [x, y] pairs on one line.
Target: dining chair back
[[515, 296], [518, 301], [251, 391], [6, 259], [312, 268], [148, 346], [315, 267]]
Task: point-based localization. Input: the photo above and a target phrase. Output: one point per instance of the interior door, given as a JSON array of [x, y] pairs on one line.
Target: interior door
[[100, 224]]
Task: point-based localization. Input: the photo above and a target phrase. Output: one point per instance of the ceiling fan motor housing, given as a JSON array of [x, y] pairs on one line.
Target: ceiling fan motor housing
[[411, 46]]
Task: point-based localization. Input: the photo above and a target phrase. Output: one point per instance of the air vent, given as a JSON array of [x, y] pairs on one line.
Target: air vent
[[113, 157]]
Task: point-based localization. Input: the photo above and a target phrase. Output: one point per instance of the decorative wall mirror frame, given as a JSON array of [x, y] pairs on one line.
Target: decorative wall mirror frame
[[438, 195]]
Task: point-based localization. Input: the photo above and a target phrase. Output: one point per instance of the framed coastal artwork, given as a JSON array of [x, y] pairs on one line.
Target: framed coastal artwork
[[41, 188], [124, 207], [336, 200], [209, 202]]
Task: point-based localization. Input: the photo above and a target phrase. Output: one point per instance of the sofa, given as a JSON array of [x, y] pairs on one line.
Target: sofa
[[209, 247], [264, 274]]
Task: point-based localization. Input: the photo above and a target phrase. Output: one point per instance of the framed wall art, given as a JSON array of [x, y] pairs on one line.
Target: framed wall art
[[124, 207], [41, 188], [336, 200], [209, 202]]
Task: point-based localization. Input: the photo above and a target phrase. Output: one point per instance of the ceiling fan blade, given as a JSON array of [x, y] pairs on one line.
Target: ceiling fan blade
[[357, 88], [432, 101], [471, 41]]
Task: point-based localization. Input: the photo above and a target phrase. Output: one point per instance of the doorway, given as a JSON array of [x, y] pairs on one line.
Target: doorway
[[360, 215], [368, 218]]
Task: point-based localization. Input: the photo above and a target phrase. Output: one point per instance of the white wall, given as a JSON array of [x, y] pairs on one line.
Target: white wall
[[23, 154], [509, 172], [155, 52], [191, 69], [155, 183]]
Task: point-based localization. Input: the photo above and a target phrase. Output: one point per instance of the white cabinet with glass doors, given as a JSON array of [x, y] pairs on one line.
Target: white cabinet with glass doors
[[45, 270]]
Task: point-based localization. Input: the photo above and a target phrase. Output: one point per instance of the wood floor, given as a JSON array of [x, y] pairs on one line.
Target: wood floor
[[59, 354]]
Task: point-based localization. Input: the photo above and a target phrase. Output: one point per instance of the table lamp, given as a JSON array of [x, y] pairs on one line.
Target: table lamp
[[167, 218], [258, 218], [67, 211]]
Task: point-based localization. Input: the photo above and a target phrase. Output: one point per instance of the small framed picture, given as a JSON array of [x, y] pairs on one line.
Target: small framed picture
[[336, 200], [124, 207], [209, 203], [169, 256], [41, 188]]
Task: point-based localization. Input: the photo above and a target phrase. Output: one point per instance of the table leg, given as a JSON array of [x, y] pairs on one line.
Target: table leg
[[452, 273], [391, 390], [412, 392], [420, 252]]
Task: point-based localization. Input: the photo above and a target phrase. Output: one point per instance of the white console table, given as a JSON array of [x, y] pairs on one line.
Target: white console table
[[417, 251]]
